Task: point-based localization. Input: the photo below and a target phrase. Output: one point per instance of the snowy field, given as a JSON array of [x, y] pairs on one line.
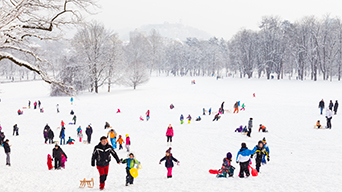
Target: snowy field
[[302, 158]]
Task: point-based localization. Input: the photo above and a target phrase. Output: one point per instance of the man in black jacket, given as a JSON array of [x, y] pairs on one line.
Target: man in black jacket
[[7, 149], [101, 155], [321, 106], [89, 132], [50, 136], [57, 154], [336, 107]]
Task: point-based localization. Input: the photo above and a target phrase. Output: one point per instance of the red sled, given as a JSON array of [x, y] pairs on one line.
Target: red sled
[[253, 171], [214, 171]]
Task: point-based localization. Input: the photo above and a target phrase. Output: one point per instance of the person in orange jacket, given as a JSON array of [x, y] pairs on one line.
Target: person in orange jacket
[[262, 128], [120, 141], [112, 137]]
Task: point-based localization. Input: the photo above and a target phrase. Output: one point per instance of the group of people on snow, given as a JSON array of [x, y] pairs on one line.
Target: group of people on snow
[[329, 112]]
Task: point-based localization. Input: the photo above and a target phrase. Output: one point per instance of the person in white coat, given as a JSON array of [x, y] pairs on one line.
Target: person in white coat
[[328, 115]]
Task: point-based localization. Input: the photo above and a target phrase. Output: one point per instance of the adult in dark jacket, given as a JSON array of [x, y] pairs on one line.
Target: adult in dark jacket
[[57, 154], [62, 135], [15, 130], [45, 132], [7, 149], [335, 107], [89, 132], [250, 126], [222, 107], [169, 162], [321, 106], [331, 105], [50, 136], [101, 156]]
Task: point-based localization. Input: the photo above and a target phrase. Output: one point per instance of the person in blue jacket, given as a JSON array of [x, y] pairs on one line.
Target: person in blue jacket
[[181, 119], [62, 135], [131, 162], [243, 159], [209, 111], [267, 150]]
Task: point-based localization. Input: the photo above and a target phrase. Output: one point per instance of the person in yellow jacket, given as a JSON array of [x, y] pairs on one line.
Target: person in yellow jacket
[[112, 136], [120, 141]]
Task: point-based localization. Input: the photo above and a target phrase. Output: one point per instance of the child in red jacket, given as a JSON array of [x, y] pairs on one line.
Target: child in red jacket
[[49, 162]]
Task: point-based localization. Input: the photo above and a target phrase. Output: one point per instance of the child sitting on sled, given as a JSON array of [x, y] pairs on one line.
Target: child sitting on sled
[[318, 125], [227, 168], [262, 128], [70, 141]]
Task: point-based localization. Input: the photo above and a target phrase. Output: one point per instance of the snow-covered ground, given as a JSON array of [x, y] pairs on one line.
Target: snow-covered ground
[[302, 158]]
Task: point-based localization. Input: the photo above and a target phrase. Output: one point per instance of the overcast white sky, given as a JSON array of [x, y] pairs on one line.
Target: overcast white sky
[[221, 18]]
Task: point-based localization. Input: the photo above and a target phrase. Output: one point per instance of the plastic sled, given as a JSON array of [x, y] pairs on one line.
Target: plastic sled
[[71, 123], [254, 172], [134, 171], [24, 107], [214, 171]]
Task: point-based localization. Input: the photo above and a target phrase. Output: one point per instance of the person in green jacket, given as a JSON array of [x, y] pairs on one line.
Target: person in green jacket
[[131, 162], [74, 119], [242, 107]]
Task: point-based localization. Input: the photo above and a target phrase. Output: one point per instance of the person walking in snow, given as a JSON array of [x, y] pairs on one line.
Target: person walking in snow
[[260, 152], [120, 141], [62, 135], [128, 142], [331, 105], [7, 149], [181, 119], [236, 107], [189, 118], [57, 106], [2, 137], [321, 106], [169, 162], [227, 168], [57, 155], [79, 133], [328, 115], [74, 119], [45, 133], [39, 103], [107, 125], [112, 137], [49, 162], [72, 100], [51, 135], [243, 159], [242, 107], [335, 107], [29, 104], [147, 115], [217, 117], [89, 132], [16, 130], [131, 162], [169, 135], [101, 156], [222, 107], [210, 111], [35, 105], [203, 111], [250, 126]]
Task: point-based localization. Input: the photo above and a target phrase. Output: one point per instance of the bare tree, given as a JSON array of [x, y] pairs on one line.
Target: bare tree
[[24, 20]]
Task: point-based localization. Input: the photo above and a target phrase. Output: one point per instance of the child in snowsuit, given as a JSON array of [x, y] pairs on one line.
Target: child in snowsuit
[[147, 115], [169, 162], [20, 112], [79, 133], [318, 125], [181, 119], [203, 111], [267, 150], [260, 152], [169, 135], [239, 129], [243, 159], [245, 130], [112, 136], [70, 141], [217, 117], [128, 142], [107, 125], [172, 106], [15, 130], [131, 162], [141, 119], [242, 107], [49, 162], [189, 118], [118, 111], [63, 160], [227, 168], [262, 128], [199, 118], [120, 141]]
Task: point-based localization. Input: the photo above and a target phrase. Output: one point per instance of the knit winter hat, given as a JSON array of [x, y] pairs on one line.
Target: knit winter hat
[[264, 139], [243, 145], [127, 135], [229, 155], [169, 150]]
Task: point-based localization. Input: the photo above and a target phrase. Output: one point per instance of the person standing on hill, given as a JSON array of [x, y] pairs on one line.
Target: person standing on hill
[[29, 104], [147, 115], [336, 107], [51, 135], [236, 107], [222, 107], [7, 149], [101, 155], [57, 154], [16, 130], [250, 126], [89, 132], [331, 105], [329, 115], [62, 135], [39, 103], [321, 106], [35, 105], [169, 135]]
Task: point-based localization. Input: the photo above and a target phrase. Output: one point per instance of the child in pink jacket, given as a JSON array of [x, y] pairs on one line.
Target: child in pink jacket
[[169, 135], [63, 161], [128, 142]]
